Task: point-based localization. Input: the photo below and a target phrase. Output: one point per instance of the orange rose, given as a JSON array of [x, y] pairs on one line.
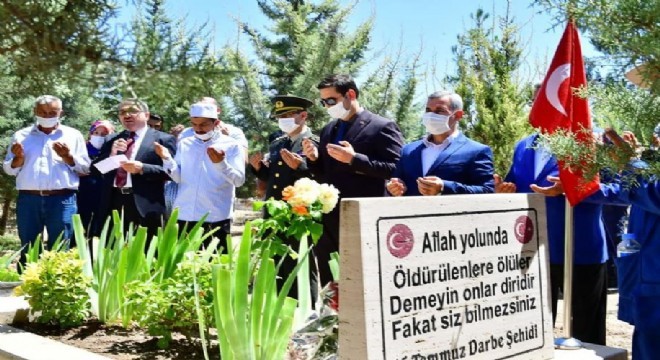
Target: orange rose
[[300, 210], [287, 193]]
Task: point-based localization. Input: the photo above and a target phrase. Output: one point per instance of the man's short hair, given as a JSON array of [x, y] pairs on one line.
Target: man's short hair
[[455, 100], [134, 101], [155, 117], [47, 99], [341, 82]]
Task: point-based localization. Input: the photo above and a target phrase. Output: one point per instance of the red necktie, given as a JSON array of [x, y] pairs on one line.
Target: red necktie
[[122, 175]]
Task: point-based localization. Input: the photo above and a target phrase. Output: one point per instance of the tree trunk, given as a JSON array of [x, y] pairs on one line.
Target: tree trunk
[[6, 206]]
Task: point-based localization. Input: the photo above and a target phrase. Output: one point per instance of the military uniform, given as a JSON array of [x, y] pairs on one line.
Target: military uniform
[[278, 174]]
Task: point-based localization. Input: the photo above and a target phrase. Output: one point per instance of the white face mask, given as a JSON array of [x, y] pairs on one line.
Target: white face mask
[[288, 125], [337, 111], [205, 136], [47, 122], [436, 124], [97, 141]]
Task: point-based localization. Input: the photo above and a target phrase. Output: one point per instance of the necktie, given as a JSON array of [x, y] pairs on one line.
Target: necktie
[[341, 131], [122, 175]]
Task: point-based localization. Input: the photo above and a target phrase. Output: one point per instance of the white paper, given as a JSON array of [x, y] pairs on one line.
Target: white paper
[[110, 163]]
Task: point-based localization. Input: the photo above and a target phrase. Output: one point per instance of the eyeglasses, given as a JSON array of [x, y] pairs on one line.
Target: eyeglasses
[[328, 102], [129, 112]]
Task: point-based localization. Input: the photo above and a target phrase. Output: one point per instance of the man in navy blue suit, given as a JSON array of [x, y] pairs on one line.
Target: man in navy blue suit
[[445, 161], [136, 188], [535, 169], [357, 152]]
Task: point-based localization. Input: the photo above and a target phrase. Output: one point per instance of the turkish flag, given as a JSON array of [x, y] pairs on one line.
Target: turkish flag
[[557, 107]]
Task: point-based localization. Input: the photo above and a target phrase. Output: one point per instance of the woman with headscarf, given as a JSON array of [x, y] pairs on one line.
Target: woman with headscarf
[[90, 185]]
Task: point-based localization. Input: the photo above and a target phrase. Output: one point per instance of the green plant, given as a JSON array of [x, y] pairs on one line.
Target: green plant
[[257, 326], [6, 272], [120, 258], [9, 275], [9, 242], [56, 288], [163, 307]]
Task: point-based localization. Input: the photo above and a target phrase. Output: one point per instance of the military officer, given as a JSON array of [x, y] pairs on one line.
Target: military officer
[[285, 162]]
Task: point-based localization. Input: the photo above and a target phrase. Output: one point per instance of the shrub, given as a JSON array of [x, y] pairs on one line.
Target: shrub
[[167, 306], [56, 288]]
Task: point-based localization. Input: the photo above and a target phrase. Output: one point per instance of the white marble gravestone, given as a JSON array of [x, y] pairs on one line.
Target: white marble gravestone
[[444, 277]]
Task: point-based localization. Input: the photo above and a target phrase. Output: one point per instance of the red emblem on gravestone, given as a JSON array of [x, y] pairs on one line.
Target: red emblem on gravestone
[[524, 229], [400, 241]]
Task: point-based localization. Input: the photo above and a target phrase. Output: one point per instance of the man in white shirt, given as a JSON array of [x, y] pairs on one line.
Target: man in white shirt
[[208, 167], [46, 159], [223, 127]]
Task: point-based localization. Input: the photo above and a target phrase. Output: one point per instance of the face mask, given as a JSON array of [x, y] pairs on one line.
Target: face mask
[[436, 124], [205, 136], [337, 111], [97, 141], [288, 125], [47, 122]]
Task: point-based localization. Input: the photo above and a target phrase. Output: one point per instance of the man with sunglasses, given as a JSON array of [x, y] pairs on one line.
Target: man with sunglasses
[[137, 186], [358, 152]]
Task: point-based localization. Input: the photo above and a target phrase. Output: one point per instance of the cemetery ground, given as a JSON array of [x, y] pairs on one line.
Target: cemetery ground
[[133, 344]]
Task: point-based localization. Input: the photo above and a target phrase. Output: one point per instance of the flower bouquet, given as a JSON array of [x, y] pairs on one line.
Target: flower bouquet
[[299, 212]]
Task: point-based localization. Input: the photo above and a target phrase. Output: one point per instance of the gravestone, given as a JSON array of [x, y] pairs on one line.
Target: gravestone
[[444, 277]]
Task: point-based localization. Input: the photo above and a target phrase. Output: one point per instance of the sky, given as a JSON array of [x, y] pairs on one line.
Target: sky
[[426, 26]]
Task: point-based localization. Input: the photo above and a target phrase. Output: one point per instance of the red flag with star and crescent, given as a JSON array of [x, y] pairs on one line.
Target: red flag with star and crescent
[[557, 107]]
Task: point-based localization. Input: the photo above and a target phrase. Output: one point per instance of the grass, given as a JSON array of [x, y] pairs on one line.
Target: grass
[[9, 242]]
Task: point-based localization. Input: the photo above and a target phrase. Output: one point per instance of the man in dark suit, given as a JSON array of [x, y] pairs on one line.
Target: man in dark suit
[[357, 153], [444, 162], [136, 187]]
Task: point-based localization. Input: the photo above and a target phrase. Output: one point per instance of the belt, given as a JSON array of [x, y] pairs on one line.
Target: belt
[[47, 192], [124, 190]]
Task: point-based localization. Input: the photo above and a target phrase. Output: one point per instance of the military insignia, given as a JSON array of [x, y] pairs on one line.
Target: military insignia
[[279, 104]]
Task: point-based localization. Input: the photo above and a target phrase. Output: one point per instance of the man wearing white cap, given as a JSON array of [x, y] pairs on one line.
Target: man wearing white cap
[[208, 167]]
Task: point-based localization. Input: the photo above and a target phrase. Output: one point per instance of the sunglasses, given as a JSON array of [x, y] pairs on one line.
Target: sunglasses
[[329, 101]]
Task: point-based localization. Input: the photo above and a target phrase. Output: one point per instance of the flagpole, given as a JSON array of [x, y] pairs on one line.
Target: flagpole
[[568, 341]]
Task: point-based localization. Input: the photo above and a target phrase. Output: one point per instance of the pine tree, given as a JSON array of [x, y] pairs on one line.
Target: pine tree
[[495, 103]]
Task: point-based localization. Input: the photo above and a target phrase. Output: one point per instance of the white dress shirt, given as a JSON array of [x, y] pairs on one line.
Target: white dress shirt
[[431, 152], [206, 187], [137, 142], [43, 169]]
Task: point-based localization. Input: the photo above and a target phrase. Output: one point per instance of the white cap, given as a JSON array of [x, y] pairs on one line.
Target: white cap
[[204, 110]]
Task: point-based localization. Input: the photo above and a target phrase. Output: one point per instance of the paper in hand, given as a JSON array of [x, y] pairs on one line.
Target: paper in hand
[[111, 163]]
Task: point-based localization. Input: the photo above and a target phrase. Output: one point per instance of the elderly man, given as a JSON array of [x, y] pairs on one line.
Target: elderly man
[[357, 153], [46, 159], [136, 187], [208, 167], [445, 161]]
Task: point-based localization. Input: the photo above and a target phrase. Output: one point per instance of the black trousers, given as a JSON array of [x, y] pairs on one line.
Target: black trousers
[[126, 203], [223, 230], [589, 300], [289, 264]]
